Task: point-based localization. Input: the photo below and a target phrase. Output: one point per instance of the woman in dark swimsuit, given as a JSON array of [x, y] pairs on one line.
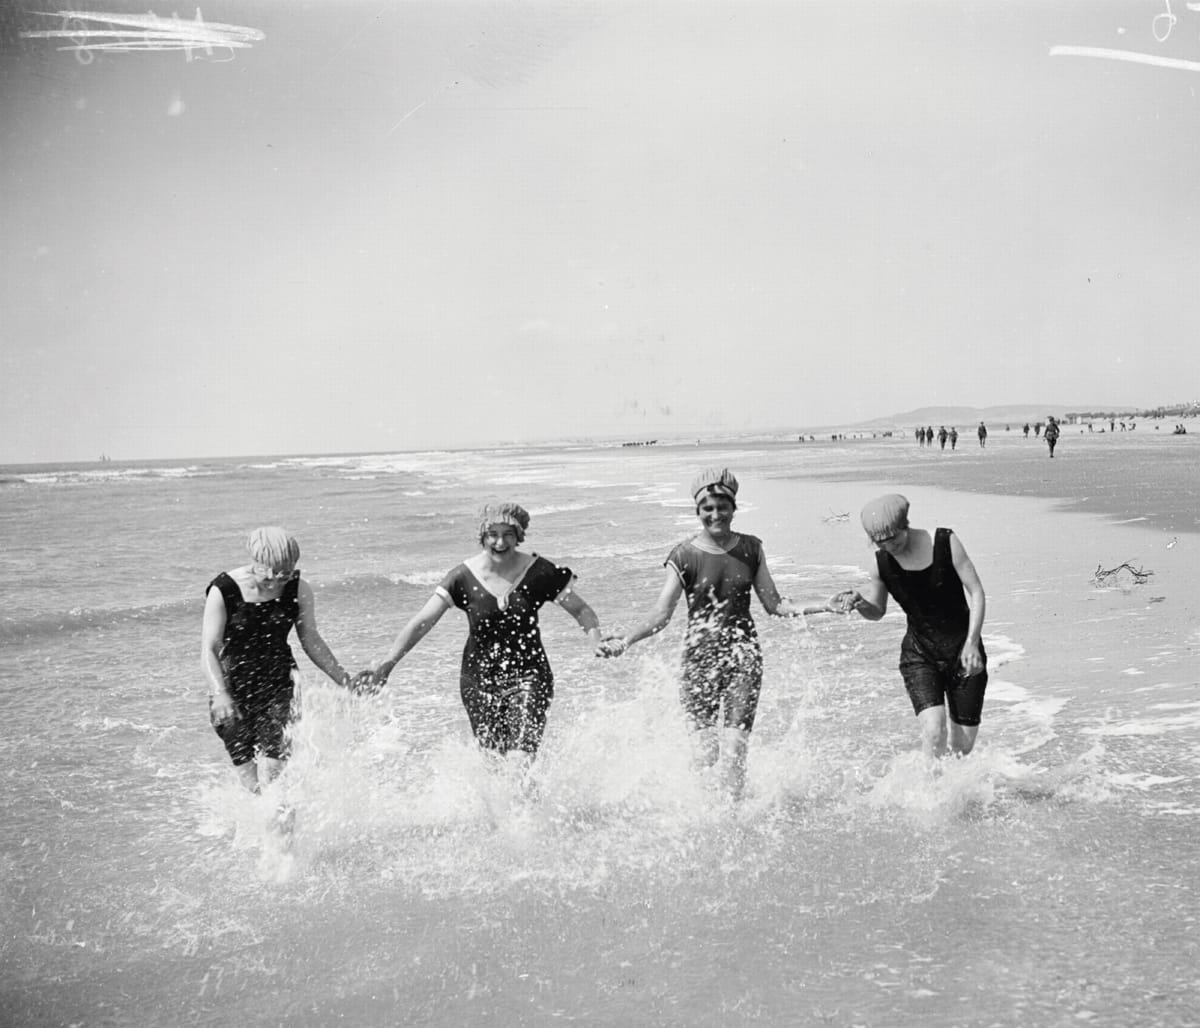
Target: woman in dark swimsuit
[[942, 659], [722, 662], [506, 682], [248, 614]]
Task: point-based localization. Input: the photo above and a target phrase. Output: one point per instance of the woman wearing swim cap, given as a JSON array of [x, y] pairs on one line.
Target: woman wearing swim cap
[[722, 670], [248, 614], [942, 659], [506, 682]]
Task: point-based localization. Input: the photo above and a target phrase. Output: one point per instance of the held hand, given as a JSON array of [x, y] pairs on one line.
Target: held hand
[[366, 683], [845, 602], [612, 646]]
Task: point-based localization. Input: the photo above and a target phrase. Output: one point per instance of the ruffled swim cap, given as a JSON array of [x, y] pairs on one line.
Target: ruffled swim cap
[[885, 516], [504, 514], [715, 482]]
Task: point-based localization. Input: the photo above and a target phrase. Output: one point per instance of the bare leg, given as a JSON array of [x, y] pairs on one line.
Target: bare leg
[[734, 743], [932, 722], [706, 746], [962, 738], [248, 775], [268, 771]]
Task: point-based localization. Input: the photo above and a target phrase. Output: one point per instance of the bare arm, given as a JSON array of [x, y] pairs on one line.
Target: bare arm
[[972, 660], [310, 638], [578, 608], [212, 634], [411, 634], [768, 594], [657, 620], [870, 601]]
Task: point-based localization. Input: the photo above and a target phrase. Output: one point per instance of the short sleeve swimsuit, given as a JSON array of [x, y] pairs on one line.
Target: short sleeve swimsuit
[[938, 619], [722, 659], [506, 682], [258, 666]]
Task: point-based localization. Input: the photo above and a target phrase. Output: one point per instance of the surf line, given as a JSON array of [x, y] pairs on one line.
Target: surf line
[[1124, 55]]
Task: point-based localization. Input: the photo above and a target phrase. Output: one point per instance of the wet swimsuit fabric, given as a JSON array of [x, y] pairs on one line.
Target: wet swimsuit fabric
[[938, 620], [258, 666], [722, 659], [505, 681]]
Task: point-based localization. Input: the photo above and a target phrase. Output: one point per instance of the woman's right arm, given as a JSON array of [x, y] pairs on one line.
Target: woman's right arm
[[658, 619], [212, 635], [410, 635], [870, 601]]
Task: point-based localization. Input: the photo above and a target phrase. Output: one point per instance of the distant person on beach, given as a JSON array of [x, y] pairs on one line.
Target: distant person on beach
[[942, 660], [943, 435], [717, 569], [981, 431], [506, 682], [921, 436], [953, 437], [1051, 434], [248, 614], [1026, 430]]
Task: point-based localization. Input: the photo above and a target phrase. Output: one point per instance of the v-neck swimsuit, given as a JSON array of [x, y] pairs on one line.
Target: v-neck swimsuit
[[506, 682]]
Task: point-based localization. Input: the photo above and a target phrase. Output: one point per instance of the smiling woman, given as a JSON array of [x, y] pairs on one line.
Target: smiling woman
[[722, 660], [506, 682]]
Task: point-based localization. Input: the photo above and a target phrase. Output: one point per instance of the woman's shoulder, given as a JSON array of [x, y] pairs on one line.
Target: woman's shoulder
[[460, 571], [539, 565], [228, 580], [682, 549]]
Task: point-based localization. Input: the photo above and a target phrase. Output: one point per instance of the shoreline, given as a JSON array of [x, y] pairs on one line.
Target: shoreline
[[1152, 482]]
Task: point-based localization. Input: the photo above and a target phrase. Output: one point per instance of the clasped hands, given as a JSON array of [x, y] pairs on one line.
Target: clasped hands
[[845, 602], [367, 682]]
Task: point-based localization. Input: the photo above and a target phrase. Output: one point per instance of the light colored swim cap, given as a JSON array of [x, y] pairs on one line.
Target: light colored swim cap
[[715, 482], [504, 514], [885, 516], [273, 548]]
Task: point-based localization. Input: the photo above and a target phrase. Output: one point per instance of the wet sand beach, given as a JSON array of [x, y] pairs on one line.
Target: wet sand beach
[[1144, 476]]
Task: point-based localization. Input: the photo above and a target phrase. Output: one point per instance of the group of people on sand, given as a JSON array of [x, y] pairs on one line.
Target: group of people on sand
[[506, 682], [926, 436]]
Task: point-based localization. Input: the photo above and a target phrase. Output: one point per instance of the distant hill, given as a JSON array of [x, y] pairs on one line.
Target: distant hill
[[1011, 414]]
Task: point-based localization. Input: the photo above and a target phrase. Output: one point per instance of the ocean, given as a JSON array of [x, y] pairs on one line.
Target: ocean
[[1048, 879]]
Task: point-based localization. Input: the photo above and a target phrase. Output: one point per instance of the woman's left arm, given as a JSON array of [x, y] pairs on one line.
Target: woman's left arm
[[310, 638], [971, 659], [768, 594], [578, 608]]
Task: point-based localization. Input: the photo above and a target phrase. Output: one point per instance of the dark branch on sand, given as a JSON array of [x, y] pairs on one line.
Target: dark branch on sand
[[1102, 576]]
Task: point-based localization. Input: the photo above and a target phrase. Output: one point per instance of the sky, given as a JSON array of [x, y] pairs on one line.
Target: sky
[[387, 225]]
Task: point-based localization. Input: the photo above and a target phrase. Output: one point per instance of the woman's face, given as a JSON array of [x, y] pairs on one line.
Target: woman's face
[[894, 543], [500, 539], [267, 577], [716, 515]]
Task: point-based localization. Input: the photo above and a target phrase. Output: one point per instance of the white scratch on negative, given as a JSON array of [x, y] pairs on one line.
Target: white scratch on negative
[[404, 119], [1124, 55]]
